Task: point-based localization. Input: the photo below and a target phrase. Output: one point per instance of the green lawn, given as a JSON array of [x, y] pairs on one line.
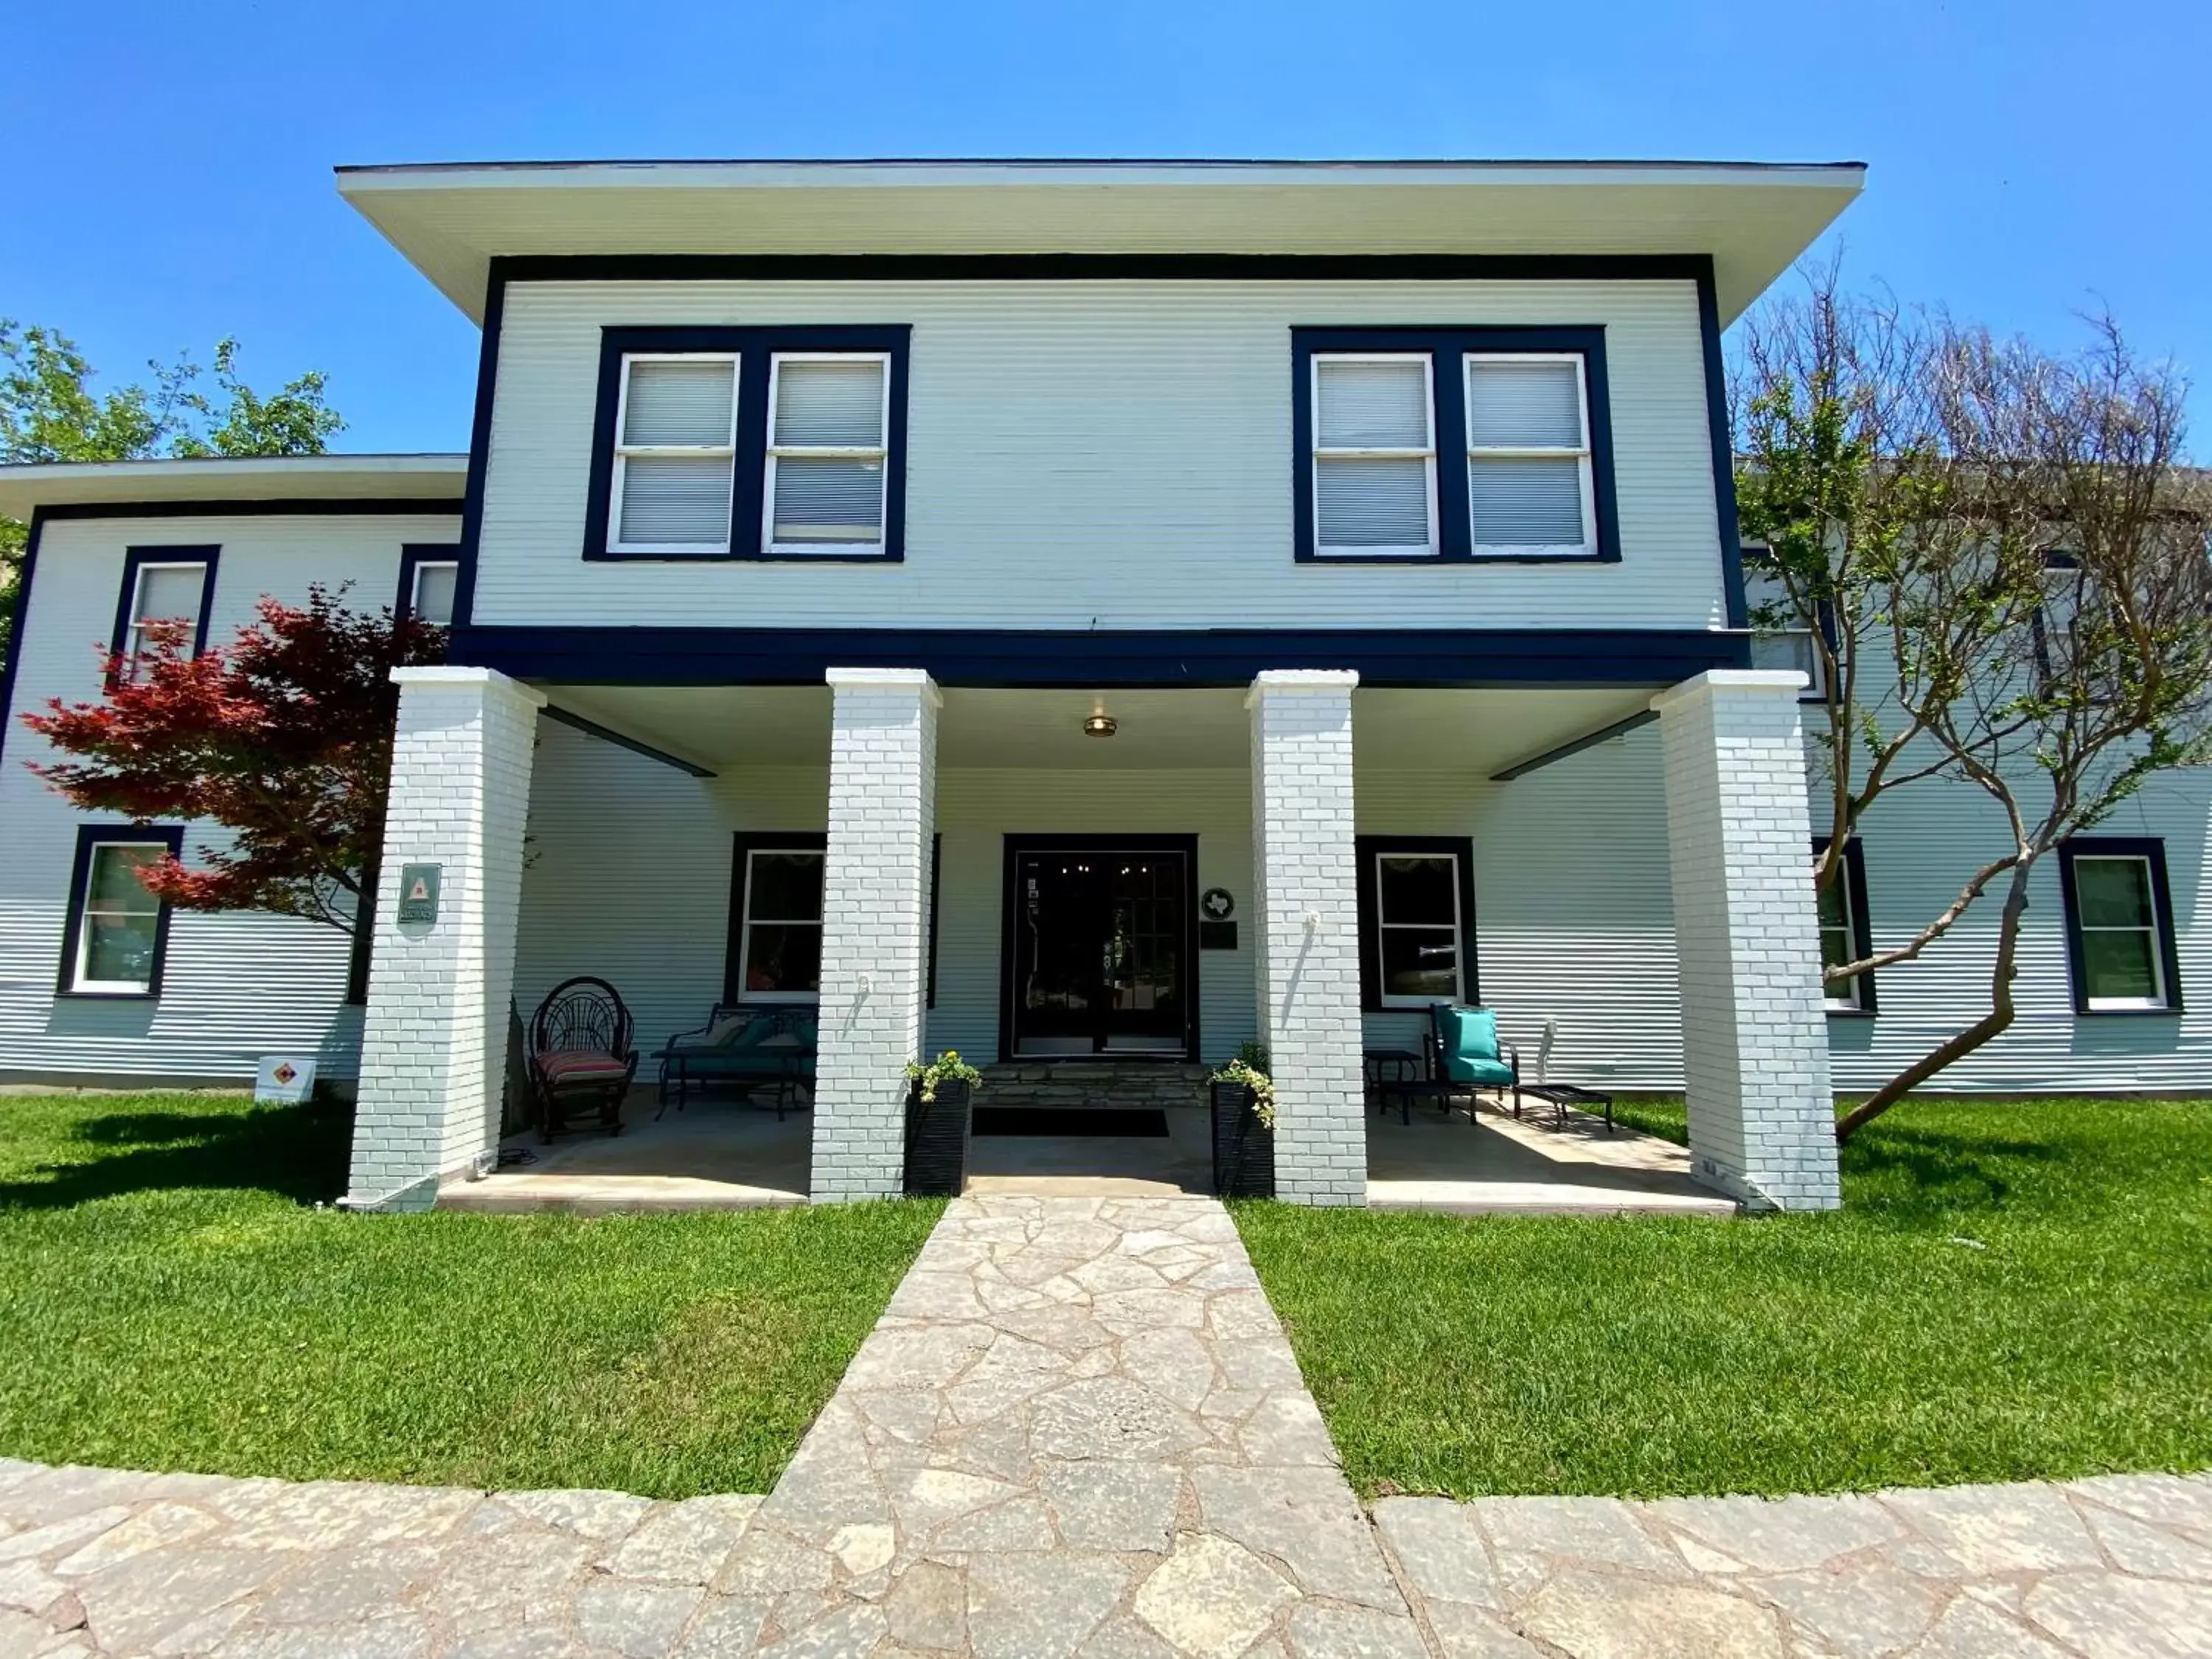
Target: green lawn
[[2014, 1291], [171, 1298]]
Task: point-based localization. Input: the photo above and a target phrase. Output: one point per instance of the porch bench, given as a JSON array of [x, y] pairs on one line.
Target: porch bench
[[747, 1047]]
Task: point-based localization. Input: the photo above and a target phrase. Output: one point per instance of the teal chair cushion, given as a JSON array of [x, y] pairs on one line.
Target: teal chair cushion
[[1470, 1046]]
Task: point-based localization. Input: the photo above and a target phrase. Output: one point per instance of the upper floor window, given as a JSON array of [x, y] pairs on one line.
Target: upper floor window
[[1374, 455], [430, 584], [165, 594], [2119, 925], [749, 443], [1527, 454], [1453, 445], [676, 450], [1780, 638], [826, 452]]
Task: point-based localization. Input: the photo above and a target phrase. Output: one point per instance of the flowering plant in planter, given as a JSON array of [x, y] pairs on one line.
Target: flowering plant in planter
[[1248, 1070], [947, 1067]]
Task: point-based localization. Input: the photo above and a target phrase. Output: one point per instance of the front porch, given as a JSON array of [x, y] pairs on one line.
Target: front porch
[[718, 1153], [1044, 877]]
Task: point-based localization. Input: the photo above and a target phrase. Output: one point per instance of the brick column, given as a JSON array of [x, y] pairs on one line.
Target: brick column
[[434, 1047], [1754, 1032], [1306, 930], [875, 925]]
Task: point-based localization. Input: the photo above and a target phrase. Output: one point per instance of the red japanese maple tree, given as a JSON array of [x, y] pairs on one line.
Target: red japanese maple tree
[[283, 736]]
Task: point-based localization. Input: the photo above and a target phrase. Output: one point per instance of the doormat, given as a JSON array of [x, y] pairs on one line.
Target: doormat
[[1069, 1120]]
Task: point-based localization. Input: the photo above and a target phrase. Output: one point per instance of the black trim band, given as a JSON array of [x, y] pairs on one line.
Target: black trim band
[[367, 507], [1575, 746], [1043, 658], [18, 622], [1096, 267], [606, 734]]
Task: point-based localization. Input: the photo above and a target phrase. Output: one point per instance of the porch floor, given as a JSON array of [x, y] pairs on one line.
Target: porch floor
[[714, 1154], [721, 1154], [1497, 1164]]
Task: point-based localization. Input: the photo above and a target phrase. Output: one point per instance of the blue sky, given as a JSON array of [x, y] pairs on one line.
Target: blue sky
[[172, 175]]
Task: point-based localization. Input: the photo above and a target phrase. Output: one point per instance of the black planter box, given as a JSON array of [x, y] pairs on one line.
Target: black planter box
[[1243, 1147], [937, 1141]]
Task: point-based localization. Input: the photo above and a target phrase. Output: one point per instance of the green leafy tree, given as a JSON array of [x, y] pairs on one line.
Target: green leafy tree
[[49, 411], [1999, 557]]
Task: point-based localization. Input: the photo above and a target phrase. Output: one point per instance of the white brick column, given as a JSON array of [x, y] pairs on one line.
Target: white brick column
[[1306, 928], [1746, 934], [875, 925], [434, 1047]]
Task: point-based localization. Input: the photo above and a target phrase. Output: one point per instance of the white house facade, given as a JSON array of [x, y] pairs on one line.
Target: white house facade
[[1060, 611]]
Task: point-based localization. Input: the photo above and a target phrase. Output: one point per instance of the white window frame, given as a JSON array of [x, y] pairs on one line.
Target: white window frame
[[2153, 930], [134, 626], [1386, 998], [746, 930], [79, 980], [1850, 998], [1427, 455], [726, 450], [880, 454], [415, 586], [1588, 547]]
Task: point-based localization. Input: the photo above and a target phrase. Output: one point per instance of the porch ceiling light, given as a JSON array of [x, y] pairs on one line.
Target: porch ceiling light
[[1100, 724]]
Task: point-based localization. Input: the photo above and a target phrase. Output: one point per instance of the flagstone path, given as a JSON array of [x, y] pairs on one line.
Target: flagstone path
[[1078, 1431]]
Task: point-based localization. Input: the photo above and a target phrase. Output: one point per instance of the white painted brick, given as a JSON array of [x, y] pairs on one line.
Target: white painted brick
[[875, 925], [434, 1040], [1754, 1031], [1308, 977]]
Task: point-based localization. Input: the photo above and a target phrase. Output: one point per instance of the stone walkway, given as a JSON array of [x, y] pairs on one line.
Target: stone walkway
[[1078, 1428], [1078, 1431]]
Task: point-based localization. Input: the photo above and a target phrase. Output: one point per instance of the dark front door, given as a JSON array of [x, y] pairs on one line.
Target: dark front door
[[1100, 949]]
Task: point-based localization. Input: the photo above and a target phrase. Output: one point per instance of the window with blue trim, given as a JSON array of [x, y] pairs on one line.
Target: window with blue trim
[[166, 594], [118, 932], [1846, 934], [2119, 925], [749, 443], [1453, 445]]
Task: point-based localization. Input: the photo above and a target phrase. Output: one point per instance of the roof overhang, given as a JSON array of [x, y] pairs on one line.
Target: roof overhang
[[299, 478], [451, 220]]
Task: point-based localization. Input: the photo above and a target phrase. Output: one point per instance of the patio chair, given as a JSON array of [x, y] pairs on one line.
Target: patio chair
[[747, 1045], [581, 1059], [1466, 1056]]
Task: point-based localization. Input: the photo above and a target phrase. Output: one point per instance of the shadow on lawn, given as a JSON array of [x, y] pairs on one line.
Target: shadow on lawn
[[297, 1153], [1908, 1171]]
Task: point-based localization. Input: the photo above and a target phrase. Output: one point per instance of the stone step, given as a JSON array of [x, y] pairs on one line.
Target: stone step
[[1101, 1085]]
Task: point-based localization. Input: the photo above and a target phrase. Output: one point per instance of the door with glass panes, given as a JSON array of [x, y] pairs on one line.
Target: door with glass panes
[[1099, 948]]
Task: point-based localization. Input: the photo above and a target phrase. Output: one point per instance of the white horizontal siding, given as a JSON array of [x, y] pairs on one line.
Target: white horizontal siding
[[236, 986], [1114, 454]]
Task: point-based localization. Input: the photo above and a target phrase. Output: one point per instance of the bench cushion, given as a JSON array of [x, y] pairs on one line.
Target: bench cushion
[[565, 1067]]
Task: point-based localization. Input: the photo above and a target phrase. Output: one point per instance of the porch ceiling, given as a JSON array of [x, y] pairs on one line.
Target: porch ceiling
[[725, 727]]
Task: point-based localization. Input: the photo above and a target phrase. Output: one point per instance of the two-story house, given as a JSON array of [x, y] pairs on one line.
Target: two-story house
[[1045, 609]]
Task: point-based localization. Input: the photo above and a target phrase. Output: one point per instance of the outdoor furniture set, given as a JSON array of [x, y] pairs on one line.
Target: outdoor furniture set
[[581, 1062], [1465, 1056]]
